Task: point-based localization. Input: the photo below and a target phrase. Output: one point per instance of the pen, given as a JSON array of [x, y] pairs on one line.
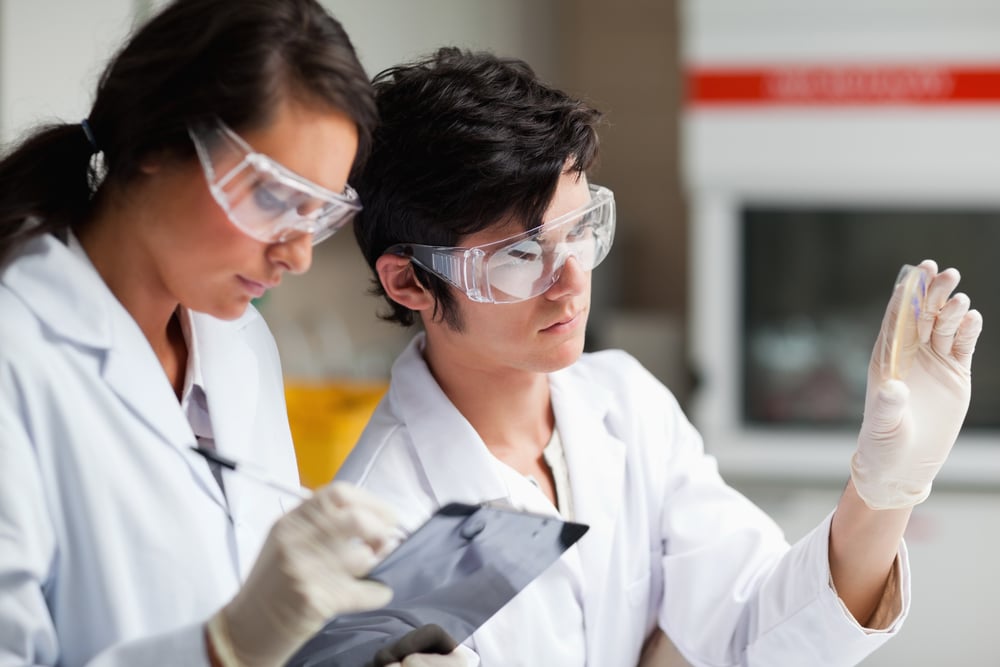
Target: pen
[[251, 472]]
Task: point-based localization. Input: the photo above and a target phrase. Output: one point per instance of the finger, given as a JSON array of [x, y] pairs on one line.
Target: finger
[[344, 494], [965, 338], [940, 288], [351, 556], [930, 266], [430, 638], [359, 595], [358, 525], [946, 324], [885, 413], [424, 660]]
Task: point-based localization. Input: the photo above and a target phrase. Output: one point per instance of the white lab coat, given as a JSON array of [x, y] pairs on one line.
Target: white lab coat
[[669, 542], [115, 539]]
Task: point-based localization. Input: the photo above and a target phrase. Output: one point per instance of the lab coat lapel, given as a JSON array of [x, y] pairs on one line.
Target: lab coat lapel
[[455, 460], [60, 285], [596, 462], [230, 374], [132, 370]]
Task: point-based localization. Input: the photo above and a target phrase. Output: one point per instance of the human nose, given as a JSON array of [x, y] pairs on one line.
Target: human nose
[[571, 279], [293, 255]]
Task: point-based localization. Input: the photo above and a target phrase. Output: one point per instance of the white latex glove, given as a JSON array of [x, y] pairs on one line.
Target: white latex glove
[[455, 659], [431, 638], [307, 572], [909, 426]]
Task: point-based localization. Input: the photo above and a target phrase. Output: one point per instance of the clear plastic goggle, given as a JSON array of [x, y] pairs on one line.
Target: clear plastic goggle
[[263, 198], [525, 265]]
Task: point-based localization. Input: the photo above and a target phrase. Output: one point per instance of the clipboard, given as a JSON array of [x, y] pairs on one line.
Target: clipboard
[[457, 570]]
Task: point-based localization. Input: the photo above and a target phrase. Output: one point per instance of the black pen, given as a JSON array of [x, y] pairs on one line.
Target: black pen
[[256, 474]]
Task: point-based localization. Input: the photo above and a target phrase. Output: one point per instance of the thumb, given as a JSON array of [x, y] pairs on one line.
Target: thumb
[[347, 596], [886, 411], [372, 594]]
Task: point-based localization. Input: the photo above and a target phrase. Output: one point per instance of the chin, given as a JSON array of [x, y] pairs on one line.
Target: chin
[[228, 312], [565, 355]]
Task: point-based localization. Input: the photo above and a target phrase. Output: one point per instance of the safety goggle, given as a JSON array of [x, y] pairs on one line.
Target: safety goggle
[[525, 265], [263, 198]]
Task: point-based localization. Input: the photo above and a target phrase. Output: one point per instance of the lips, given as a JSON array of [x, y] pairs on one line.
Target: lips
[[255, 287], [565, 321]]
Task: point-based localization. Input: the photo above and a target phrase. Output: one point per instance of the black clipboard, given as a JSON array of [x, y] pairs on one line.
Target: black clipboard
[[457, 570]]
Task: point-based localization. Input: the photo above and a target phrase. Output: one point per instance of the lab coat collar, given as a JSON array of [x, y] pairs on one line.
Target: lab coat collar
[[61, 286], [468, 473], [456, 461]]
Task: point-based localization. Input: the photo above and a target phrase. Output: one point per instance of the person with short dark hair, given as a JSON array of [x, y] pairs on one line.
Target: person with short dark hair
[[216, 153], [481, 224]]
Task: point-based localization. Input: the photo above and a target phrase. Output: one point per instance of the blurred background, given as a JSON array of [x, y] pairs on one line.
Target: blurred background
[[775, 163]]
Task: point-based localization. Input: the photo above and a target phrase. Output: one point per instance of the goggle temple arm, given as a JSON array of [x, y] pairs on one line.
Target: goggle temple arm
[[448, 264]]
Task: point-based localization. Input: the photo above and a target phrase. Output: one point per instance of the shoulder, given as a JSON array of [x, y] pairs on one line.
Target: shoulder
[[637, 407], [23, 339], [381, 451], [16, 315], [609, 364], [385, 462]]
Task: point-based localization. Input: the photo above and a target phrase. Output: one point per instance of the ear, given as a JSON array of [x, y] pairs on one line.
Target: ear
[[157, 160], [400, 283], [149, 166]]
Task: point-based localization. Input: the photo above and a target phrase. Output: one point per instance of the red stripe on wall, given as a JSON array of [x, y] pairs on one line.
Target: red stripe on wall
[[844, 85]]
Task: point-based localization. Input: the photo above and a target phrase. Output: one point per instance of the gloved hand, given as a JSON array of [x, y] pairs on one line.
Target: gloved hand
[[427, 646], [308, 571], [425, 660], [910, 425]]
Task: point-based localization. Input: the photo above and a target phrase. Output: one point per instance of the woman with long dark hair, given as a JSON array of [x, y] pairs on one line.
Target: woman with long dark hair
[[216, 153]]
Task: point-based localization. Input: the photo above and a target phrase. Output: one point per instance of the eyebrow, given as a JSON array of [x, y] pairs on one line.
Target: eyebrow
[[522, 254]]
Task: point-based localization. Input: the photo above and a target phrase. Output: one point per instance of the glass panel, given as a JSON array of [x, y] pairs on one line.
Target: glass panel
[[816, 281]]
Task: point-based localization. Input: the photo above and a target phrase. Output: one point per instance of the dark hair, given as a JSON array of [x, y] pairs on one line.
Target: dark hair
[[196, 59], [465, 141]]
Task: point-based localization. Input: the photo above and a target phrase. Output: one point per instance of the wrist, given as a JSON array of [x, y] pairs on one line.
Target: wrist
[[218, 644], [213, 657]]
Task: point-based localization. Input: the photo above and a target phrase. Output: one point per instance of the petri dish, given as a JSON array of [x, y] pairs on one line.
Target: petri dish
[[904, 340]]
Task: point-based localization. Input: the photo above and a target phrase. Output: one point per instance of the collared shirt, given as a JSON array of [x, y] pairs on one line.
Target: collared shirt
[[555, 457], [194, 402]]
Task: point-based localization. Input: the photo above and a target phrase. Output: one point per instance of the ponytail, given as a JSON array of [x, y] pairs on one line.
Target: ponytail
[[46, 180]]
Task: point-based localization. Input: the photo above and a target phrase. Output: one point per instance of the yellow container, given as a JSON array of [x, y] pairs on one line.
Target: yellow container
[[326, 419]]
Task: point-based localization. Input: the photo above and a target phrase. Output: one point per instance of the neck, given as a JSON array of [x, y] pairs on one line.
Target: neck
[[126, 267], [510, 409]]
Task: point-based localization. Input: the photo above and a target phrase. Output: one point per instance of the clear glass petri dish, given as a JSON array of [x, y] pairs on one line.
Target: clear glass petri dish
[[903, 340]]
